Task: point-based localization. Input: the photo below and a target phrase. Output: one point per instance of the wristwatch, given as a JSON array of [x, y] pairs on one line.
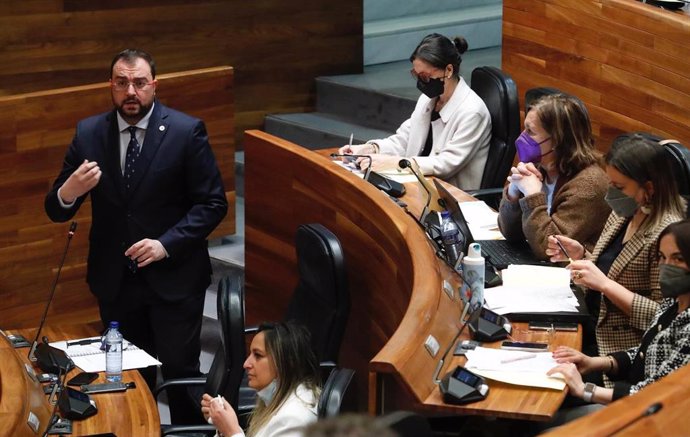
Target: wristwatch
[[589, 392]]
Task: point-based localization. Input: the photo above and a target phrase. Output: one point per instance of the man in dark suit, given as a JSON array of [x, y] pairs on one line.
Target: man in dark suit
[[156, 194]]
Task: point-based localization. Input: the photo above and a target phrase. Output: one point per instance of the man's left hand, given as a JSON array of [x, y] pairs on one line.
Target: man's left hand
[[146, 251]]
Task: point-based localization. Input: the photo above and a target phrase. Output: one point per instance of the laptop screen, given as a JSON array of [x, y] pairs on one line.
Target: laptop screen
[[452, 206]]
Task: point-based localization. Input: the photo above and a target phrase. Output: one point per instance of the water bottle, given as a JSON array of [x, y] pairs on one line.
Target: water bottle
[[450, 235], [473, 277], [113, 353]]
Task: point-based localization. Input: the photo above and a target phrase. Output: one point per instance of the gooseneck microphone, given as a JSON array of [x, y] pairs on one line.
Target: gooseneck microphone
[[650, 411], [351, 158], [49, 358], [405, 163]]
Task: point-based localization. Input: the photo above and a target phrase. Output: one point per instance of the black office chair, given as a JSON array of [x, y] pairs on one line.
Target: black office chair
[[406, 424], [226, 370], [321, 300], [333, 392], [499, 92], [679, 156]]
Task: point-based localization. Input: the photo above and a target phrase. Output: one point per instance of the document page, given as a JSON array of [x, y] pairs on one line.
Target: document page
[[514, 367], [89, 357], [482, 220]]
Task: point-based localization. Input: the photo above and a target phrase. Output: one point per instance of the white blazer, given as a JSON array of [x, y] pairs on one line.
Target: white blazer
[[298, 411], [461, 138]]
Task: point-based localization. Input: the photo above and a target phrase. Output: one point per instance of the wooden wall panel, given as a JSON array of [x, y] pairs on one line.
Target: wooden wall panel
[[626, 60], [276, 47], [35, 131]]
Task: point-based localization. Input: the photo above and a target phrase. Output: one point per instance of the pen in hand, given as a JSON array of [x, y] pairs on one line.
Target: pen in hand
[[518, 358], [565, 252]]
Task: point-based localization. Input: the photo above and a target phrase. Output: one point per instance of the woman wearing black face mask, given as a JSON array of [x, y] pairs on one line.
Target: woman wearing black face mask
[[665, 346], [621, 276], [449, 131]]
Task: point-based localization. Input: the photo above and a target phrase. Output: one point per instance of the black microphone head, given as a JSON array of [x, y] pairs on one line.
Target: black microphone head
[[73, 226], [404, 163], [334, 155], [652, 409]]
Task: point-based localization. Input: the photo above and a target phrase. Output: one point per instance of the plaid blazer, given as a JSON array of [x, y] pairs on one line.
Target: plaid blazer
[[635, 268]]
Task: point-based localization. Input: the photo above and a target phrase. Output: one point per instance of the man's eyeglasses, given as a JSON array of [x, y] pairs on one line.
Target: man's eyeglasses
[[424, 79], [123, 84]]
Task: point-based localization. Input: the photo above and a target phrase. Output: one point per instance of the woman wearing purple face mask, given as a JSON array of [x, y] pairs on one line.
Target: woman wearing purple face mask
[[449, 131], [558, 186]]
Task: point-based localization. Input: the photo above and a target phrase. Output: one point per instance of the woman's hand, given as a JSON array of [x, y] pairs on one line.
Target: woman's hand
[[573, 247], [524, 178], [588, 275], [360, 149], [584, 363], [572, 378], [379, 162], [221, 414]]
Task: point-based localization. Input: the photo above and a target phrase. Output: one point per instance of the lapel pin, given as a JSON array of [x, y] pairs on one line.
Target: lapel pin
[[161, 128]]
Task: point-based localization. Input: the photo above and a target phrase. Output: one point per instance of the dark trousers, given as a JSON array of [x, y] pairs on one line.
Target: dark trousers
[[169, 331]]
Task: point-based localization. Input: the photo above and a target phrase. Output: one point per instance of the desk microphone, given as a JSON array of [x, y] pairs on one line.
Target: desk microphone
[[351, 158], [650, 411], [48, 358], [432, 198]]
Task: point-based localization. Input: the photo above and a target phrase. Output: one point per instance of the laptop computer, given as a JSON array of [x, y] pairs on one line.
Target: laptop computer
[[498, 253]]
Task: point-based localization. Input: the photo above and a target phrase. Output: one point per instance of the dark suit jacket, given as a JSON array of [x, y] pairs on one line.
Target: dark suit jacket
[[176, 197]]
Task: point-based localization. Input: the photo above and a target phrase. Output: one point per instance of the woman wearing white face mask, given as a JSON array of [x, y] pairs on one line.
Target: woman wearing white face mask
[[559, 185], [283, 368], [621, 276], [665, 346]]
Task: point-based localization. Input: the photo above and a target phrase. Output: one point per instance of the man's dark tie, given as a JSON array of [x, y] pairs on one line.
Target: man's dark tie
[[133, 150]]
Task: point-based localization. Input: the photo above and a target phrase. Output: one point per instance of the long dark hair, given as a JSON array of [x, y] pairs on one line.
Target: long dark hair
[[288, 345], [439, 51], [642, 159]]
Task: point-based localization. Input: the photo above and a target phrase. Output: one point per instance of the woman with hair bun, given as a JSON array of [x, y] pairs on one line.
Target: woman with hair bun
[[449, 130]]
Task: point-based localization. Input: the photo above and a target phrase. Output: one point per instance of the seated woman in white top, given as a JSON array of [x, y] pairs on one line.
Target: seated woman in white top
[[283, 368], [449, 131]]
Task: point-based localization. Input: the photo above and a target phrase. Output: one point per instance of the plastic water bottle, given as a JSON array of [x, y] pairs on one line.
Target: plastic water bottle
[[450, 235], [113, 353], [473, 276]]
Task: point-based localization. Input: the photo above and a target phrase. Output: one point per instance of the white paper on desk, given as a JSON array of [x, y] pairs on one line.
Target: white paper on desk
[[401, 176], [529, 371], [532, 299], [90, 357], [482, 220], [520, 275]]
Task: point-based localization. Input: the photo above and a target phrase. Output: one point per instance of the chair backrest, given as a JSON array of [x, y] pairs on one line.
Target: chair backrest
[[321, 300], [499, 92], [406, 424], [333, 392], [226, 371], [679, 156]]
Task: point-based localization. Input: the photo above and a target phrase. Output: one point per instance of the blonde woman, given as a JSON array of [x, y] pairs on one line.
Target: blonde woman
[[283, 368]]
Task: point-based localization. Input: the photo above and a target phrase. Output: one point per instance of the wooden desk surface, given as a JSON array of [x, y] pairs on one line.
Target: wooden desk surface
[[130, 413]]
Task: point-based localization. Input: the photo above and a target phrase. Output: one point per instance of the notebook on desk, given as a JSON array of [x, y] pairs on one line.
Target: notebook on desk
[[498, 253]]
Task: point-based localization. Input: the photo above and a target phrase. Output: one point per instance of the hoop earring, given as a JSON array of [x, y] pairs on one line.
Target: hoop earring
[[646, 209]]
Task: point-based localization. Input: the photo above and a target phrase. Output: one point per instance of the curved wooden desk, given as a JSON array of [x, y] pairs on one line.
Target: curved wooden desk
[[396, 281], [130, 413]]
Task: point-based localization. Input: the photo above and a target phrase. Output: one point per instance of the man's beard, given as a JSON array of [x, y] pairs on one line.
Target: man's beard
[[143, 110]]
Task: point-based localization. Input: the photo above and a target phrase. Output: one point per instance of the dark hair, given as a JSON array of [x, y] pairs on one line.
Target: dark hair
[[565, 119], [131, 55], [681, 231], [439, 51], [642, 159], [288, 345]]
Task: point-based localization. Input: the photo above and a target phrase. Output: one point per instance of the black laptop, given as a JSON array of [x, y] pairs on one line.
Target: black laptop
[[498, 253]]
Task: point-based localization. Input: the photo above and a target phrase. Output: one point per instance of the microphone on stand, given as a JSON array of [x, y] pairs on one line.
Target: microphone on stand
[[650, 411], [405, 163], [48, 358], [388, 186]]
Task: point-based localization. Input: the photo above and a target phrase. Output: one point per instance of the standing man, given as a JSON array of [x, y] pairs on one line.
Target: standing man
[[156, 194]]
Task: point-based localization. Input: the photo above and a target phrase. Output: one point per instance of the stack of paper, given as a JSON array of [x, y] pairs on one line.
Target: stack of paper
[[514, 367], [482, 220], [532, 289], [90, 358]]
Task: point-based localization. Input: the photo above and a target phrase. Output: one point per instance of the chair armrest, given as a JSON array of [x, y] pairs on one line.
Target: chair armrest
[[182, 429], [198, 380]]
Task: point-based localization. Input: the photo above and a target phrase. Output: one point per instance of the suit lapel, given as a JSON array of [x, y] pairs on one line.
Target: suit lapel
[[155, 132]]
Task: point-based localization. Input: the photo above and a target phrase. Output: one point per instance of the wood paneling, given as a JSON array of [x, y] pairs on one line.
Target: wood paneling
[[35, 131], [276, 47], [628, 61]]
